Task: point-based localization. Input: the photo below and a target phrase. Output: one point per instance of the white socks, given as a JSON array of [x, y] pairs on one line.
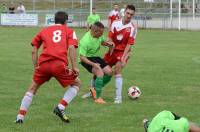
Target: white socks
[[118, 85], [26, 102], [68, 97], [92, 82]]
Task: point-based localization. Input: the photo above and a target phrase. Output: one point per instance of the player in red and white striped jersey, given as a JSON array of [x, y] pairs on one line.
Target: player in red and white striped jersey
[[113, 15], [122, 33]]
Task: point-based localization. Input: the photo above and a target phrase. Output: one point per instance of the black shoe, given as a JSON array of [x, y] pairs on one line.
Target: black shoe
[[146, 123], [19, 121], [61, 114]]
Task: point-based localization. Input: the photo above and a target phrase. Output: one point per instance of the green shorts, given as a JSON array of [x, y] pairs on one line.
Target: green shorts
[[165, 122]]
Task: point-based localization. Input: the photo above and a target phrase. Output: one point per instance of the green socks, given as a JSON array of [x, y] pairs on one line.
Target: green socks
[[106, 79], [98, 86]]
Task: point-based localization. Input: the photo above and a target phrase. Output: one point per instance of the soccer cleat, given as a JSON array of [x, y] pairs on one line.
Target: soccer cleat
[[87, 95], [19, 121], [146, 123], [93, 92], [118, 101], [99, 101], [61, 114]]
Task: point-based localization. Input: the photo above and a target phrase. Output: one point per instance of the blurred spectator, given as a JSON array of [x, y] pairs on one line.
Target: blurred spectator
[[92, 18], [122, 11], [196, 8], [21, 9], [113, 15], [11, 9], [3, 9], [184, 9]]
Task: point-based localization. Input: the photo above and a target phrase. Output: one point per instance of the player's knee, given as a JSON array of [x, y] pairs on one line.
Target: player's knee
[[33, 87], [118, 67], [99, 73], [117, 71], [110, 72], [77, 83]]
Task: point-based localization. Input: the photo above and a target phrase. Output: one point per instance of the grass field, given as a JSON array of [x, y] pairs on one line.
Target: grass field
[[165, 65]]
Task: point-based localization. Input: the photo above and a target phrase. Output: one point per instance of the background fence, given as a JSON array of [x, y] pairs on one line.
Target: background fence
[[148, 14]]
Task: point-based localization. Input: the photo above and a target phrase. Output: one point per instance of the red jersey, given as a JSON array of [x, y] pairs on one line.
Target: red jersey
[[122, 35], [55, 40], [114, 15]]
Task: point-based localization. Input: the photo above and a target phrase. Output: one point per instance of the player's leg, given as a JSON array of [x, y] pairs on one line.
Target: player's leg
[[113, 59], [193, 127], [118, 82], [92, 92], [69, 95], [40, 76], [26, 101], [107, 74], [98, 72], [107, 70], [65, 77]]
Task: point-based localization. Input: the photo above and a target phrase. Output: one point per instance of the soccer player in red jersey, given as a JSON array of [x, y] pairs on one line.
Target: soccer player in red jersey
[[113, 15], [58, 42], [122, 33]]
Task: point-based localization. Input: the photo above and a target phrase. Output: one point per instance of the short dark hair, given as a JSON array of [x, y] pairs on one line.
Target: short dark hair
[[61, 17], [131, 7], [98, 24]]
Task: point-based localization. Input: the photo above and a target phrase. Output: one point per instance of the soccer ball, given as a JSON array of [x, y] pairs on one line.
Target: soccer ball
[[134, 92]]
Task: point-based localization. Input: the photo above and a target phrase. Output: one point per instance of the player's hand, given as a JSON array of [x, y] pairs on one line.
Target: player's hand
[[75, 71], [96, 66], [36, 66], [109, 44], [123, 61]]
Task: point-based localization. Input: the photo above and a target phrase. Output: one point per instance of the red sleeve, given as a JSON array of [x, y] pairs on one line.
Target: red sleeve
[[72, 39], [131, 41], [132, 36], [110, 17], [110, 34], [37, 40]]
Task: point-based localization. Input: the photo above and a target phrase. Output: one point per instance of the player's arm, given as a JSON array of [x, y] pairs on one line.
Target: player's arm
[[73, 44], [35, 56], [36, 43], [108, 42], [109, 20], [126, 53], [131, 41], [109, 39], [72, 56]]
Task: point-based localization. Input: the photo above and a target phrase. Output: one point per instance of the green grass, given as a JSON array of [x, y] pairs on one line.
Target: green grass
[[164, 64]]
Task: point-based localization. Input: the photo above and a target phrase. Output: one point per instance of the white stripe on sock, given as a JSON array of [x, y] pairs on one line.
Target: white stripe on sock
[[69, 95]]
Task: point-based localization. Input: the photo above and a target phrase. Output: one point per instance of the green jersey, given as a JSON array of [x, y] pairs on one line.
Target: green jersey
[[3, 9], [165, 122], [92, 18], [90, 46]]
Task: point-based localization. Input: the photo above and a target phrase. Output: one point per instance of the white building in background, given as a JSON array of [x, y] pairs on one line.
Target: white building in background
[[150, 1]]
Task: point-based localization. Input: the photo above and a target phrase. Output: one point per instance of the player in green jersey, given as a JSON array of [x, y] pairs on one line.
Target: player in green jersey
[[92, 18], [90, 59], [167, 121]]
